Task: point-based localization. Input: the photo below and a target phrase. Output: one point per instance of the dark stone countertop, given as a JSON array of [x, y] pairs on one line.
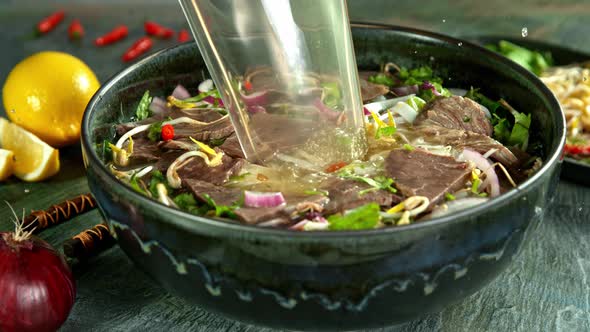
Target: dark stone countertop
[[546, 288]]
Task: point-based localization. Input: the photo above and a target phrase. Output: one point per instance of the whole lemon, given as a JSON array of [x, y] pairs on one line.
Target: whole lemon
[[47, 93]]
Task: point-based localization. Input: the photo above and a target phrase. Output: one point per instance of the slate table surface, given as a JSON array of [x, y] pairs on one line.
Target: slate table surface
[[547, 288]]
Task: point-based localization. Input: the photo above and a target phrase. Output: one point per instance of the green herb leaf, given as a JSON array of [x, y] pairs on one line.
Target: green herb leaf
[[377, 183], [157, 177], [385, 131], [222, 210], [187, 202], [466, 119], [534, 61], [363, 217], [520, 131], [449, 197], [409, 147], [134, 183], [155, 131], [381, 78], [143, 108], [332, 96]]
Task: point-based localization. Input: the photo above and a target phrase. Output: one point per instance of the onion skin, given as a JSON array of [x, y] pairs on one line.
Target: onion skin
[[37, 288]]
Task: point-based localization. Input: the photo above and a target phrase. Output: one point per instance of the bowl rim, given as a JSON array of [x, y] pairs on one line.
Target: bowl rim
[[192, 222]]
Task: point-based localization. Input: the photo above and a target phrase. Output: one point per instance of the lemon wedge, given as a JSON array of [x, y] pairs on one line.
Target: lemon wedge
[[34, 160], [6, 164]]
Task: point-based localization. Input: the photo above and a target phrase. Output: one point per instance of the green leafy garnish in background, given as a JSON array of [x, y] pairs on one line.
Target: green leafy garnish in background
[[143, 108], [534, 61], [363, 217]]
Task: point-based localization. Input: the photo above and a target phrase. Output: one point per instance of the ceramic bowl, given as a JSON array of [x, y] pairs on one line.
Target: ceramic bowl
[[328, 281]]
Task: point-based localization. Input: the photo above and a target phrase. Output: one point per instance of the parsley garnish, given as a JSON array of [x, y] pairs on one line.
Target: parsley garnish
[[364, 217]]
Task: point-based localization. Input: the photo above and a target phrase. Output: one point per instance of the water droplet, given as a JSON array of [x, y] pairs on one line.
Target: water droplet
[[431, 58], [580, 209], [415, 52], [460, 43], [524, 32], [26, 191], [444, 21]]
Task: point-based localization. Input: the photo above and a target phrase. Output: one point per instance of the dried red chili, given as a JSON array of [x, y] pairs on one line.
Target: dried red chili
[[167, 132], [50, 22], [76, 30], [113, 36], [138, 48], [336, 166], [156, 30], [183, 36], [248, 85]]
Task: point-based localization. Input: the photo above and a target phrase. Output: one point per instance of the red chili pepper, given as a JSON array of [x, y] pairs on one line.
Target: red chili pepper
[[156, 30], [113, 36], [167, 132], [50, 22], [577, 149], [248, 85], [336, 166], [138, 48], [183, 36], [76, 30]]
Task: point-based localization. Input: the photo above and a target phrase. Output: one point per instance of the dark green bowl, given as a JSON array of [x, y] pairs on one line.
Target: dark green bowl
[[338, 280]]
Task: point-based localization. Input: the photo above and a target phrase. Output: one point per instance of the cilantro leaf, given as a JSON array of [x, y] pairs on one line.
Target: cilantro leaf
[[143, 108], [363, 217], [520, 132], [377, 183], [222, 210]]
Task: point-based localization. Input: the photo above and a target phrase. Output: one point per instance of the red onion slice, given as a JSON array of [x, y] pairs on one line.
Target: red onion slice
[[180, 92], [260, 199], [158, 106], [484, 164]]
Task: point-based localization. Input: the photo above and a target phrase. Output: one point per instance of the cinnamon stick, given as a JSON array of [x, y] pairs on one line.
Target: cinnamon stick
[[89, 243], [61, 212]]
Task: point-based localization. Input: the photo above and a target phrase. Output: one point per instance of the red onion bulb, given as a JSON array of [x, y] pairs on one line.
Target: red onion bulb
[[37, 289]]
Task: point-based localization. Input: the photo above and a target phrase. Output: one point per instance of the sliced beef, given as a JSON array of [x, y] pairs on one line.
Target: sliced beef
[[215, 130], [220, 195], [421, 173], [166, 159], [181, 144], [274, 131], [346, 195], [370, 91], [465, 139], [231, 146], [456, 113], [257, 215], [144, 151], [198, 170]]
